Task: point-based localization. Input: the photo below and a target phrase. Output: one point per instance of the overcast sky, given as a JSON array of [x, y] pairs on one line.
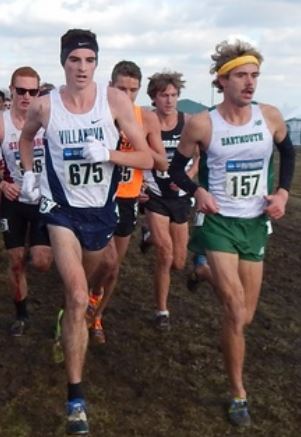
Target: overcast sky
[[159, 34]]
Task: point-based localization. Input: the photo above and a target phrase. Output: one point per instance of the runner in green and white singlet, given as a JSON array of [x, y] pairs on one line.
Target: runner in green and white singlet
[[235, 198]]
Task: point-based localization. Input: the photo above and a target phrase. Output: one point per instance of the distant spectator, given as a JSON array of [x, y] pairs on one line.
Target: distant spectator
[[2, 100], [45, 88], [7, 103]]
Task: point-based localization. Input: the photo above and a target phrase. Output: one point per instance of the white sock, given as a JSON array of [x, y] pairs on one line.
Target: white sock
[[162, 313]]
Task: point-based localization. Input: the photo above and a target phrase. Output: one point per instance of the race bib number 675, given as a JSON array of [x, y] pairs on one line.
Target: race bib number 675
[[78, 171], [244, 179]]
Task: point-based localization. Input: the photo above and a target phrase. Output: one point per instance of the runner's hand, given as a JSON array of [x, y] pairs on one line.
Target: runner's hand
[[29, 189], [276, 204], [205, 202], [95, 151], [10, 190]]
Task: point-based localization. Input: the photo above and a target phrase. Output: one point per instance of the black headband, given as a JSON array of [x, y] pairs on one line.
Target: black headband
[[78, 42]]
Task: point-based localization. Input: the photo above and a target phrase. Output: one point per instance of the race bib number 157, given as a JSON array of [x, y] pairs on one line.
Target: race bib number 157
[[244, 179]]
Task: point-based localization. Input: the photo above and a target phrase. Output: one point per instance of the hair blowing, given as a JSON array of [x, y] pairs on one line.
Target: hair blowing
[[158, 82], [226, 51]]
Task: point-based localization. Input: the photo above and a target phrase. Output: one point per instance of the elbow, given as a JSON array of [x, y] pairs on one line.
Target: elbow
[[161, 165]]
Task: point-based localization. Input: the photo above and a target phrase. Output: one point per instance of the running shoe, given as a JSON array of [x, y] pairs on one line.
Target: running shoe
[[77, 422], [19, 327], [162, 322], [94, 302], [239, 412], [97, 331], [192, 281], [57, 349]]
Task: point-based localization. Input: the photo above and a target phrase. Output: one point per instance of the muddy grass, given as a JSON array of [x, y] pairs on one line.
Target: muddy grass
[[146, 384]]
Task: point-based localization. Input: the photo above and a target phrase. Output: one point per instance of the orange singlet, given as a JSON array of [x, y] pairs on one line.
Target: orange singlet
[[131, 178]]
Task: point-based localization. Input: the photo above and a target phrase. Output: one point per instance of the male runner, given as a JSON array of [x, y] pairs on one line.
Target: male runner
[[126, 76], [168, 208], [20, 217], [236, 196], [78, 188]]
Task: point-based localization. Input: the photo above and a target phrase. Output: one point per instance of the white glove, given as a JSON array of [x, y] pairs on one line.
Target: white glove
[[29, 189], [95, 151]]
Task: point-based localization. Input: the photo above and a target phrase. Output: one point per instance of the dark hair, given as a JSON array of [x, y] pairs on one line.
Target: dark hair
[[45, 88], [126, 68], [24, 72], [2, 96], [78, 38], [160, 81]]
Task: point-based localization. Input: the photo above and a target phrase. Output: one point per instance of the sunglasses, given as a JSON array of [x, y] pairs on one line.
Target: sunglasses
[[22, 91]]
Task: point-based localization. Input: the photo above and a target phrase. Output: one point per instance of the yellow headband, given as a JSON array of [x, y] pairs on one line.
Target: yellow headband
[[241, 60]]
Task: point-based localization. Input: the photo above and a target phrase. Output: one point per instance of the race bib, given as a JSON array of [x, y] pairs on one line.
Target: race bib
[[269, 227], [78, 171], [4, 225], [37, 163], [46, 205], [244, 179], [126, 174], [162, 174], [198, 219]]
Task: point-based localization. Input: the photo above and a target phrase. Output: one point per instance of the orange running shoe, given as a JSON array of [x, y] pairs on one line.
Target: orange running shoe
[[97, 331], [94, 302]]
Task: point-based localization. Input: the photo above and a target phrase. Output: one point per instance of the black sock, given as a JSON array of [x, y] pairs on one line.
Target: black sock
[[21, 309], [75, 391]]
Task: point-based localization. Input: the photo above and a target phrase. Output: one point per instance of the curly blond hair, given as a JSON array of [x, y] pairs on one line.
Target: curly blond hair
[[226, 51]]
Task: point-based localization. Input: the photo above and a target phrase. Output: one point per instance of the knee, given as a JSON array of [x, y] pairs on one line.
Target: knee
[[234, 312], [164, 256], [178, 263], [103, 277], [110, 264], [77, 303], [203, 272], [41, 263], [41, 258], [112, 272], [179, 256], [17, 263]]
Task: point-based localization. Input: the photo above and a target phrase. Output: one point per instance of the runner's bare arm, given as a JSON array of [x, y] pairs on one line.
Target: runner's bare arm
[[37, 116], [123, 113], [196, 134], [11, 190], [193, 169], [152, 131]]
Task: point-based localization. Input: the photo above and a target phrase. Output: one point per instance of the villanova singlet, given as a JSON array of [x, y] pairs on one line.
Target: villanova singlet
[[158, 181], [13, 171], [69, 179], [236, 168]]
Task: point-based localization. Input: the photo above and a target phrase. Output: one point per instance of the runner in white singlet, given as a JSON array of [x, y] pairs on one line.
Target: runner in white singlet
[[78, 188], [235, 197]]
